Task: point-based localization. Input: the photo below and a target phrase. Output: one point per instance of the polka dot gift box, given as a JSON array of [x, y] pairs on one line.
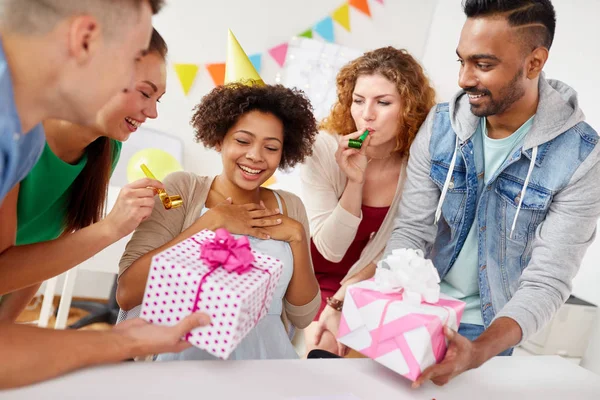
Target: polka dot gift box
[[217, 274]]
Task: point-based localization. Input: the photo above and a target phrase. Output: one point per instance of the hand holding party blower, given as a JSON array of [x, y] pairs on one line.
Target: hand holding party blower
[[169, 202], [357, 143]]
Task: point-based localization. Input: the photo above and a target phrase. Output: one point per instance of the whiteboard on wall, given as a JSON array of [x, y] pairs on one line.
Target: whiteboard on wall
[[145, 138], [312, 66]]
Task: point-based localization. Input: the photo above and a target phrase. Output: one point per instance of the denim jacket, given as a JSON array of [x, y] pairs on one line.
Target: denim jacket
[[535, 217]]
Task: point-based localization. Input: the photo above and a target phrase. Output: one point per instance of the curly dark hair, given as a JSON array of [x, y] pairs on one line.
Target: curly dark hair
[[220, 109]]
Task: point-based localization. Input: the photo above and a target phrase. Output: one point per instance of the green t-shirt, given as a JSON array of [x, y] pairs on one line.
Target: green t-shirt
[[44, 195], [462, 281]]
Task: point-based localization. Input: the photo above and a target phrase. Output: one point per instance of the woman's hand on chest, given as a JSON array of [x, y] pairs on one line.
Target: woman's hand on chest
[[289, 230], [245, 219]]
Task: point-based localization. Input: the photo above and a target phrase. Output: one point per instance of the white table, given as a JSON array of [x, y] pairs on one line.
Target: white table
[[542, 377]]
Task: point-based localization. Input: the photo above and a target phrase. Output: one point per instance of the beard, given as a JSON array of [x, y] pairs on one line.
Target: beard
[[498, 104]]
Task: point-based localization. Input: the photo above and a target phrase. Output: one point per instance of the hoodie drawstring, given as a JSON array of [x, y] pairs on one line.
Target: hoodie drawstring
[[438, 211], [524, 190]]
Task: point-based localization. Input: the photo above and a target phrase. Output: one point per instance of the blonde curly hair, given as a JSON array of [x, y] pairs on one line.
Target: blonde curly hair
[[398, 66]]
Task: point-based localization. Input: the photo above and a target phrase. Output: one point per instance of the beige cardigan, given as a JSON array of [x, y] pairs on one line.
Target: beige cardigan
[[332, 227], [164, 225]]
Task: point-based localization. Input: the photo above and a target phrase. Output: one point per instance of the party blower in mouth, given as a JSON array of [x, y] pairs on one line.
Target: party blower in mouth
[[357, 143], [168, 202]]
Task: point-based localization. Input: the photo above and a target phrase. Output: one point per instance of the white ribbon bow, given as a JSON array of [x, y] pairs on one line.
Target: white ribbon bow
[[408, 270]]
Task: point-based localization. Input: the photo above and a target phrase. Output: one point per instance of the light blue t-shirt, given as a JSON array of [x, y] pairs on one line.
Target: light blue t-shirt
[[462, 281], [18, 152]]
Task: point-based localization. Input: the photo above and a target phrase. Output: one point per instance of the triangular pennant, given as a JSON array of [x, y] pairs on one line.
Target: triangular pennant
[[325, 29], [187, 75], [307, 34], [217, 73], [342, 16], [361, 5], [279, 53], [256, 60]]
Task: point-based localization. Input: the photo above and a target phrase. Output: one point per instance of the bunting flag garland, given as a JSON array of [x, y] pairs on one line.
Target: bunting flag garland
[[361, 5], [256, 60], [187, 73], [217, 73], [342, 16], [325, 29], [278, 53], [307, 34]]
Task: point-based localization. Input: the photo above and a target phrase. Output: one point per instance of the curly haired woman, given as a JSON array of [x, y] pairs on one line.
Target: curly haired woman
[[349, 192], [256, 129]]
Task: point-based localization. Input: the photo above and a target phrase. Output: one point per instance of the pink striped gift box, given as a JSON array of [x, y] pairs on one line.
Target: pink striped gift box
[[404, 337]]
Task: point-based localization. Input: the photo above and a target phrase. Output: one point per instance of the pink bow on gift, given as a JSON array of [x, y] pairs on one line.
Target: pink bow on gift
[[228, 252]]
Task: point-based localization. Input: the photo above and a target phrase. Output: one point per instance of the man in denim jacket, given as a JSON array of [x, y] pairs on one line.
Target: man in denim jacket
[[503, 188]]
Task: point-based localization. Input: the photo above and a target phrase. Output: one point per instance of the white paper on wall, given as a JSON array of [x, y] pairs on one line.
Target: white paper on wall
[[312, 66]]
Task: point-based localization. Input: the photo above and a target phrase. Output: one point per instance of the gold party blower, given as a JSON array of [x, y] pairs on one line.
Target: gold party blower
[[168, 202]]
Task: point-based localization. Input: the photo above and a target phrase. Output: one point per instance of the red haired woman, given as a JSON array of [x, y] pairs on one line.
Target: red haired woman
[[351, 194]]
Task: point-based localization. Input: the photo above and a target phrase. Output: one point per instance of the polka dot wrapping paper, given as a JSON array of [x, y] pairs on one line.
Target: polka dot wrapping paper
[[180, 283]]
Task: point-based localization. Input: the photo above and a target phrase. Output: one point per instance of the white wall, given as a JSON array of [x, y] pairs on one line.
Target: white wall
[[574, 59]]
